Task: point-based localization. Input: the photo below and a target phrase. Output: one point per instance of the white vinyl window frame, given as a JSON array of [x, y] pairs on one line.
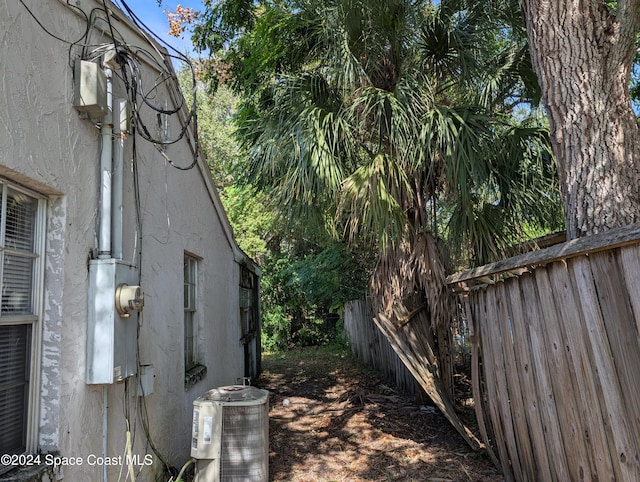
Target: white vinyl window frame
[[16, 312]]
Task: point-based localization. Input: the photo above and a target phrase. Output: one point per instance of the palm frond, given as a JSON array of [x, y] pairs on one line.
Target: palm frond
[[369, 201]]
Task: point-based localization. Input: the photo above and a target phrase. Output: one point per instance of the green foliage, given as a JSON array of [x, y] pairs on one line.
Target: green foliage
[[303, 292], [215, 128], [276, 329], [371, 122], [369, 118], [306, 276], [252, 224], [304, 287]]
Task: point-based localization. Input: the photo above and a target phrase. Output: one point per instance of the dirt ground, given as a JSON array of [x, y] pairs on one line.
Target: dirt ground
[[331, 419]]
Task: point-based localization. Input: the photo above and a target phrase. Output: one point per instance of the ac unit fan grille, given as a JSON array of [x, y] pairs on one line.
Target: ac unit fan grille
[[244, 443]]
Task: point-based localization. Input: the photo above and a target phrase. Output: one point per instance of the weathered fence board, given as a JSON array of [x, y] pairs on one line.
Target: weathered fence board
[[629, 235], [524, 364], [477, 392], [516, 395], [620, 329], [620, 441], [372, 348], [541, 369], [586, 390], [566, 392], [556, 368], [497, 382], [631, 269]]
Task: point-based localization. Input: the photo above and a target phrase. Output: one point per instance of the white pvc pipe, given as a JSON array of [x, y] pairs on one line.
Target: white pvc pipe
[[106, 165]]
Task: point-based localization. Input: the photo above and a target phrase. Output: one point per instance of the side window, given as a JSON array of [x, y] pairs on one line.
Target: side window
[[21, 265], [190, 326], [194, 368]]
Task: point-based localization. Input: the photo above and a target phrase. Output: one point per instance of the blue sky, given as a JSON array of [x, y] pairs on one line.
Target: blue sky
[[152, 15]]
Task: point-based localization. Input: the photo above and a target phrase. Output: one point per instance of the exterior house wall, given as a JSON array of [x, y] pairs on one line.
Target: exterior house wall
[[47, 147]]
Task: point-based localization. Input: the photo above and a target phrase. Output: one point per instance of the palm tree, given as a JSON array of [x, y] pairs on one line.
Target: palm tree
[[393, 123]]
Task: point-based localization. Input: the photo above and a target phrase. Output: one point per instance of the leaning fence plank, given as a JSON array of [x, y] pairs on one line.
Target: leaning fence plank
[[370, 346], [524, 363], [414, 352], [494, 418], [630, 261], [559, 353], [587, 395], [474, 328], [505, 326], [543, 375], [495, 371], [621, 332], [611, 390]]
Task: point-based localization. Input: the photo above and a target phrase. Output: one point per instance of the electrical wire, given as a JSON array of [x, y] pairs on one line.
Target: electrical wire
[[106, 11], [136, 92], [132, 77], [141, 26], [53, 35], [136, 89], [191, 117]]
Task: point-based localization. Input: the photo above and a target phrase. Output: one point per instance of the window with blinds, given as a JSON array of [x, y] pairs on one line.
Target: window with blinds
[[19, 262], [18, 227], [14, 386]]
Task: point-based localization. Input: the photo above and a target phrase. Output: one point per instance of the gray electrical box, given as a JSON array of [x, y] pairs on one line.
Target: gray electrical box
[[90, 89], [121, 116], [111, 328], [145, 378]]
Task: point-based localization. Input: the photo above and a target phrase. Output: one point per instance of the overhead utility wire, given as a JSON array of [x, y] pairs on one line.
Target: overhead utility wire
[[54, 35], [128, 54], [192, 116]]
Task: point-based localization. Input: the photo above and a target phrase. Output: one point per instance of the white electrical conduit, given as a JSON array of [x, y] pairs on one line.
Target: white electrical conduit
[[104, 234], [119, 121], [106, 166], [104, 431]]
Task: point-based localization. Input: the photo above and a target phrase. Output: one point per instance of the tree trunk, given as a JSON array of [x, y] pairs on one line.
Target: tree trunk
[[583, 54]]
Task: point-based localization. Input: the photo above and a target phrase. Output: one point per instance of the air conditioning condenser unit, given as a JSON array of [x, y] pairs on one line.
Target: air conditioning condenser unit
[[230, 435]]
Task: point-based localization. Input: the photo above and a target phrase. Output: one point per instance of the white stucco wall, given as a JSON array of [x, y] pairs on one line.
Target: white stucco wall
[[45, 145]]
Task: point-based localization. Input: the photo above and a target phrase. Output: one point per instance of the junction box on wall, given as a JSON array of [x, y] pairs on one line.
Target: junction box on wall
[[114, 303], [90, 89]]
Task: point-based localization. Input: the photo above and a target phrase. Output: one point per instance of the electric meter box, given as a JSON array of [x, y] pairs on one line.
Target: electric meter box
[[111, 330]]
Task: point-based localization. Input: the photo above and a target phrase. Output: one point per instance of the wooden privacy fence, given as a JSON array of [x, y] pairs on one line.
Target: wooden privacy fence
[[556, 358], [372, 348]]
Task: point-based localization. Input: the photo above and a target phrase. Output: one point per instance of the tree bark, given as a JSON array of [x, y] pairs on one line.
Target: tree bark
[[583, 55]]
